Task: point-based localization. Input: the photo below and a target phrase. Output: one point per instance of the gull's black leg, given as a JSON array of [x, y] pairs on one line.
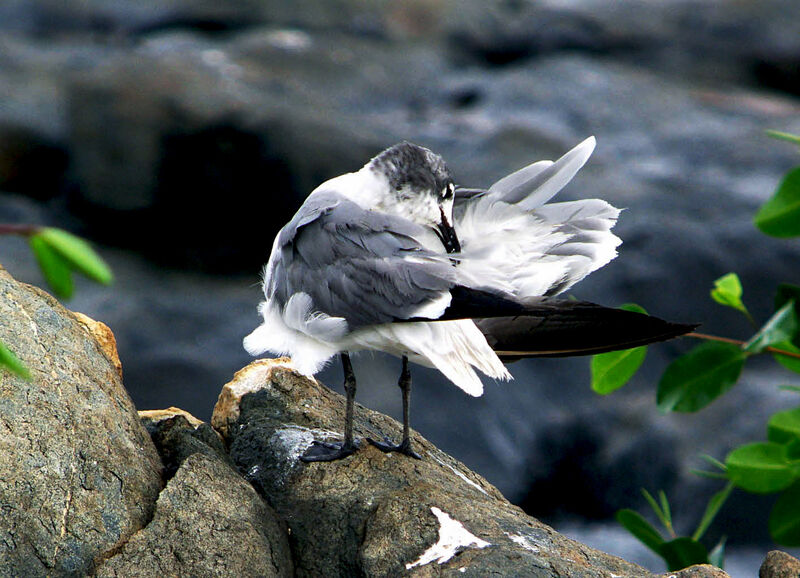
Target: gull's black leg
[[405, 446], [350, 391], [327, 452]]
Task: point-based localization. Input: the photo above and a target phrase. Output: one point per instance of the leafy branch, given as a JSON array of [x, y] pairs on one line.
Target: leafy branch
[[59, 255], [677, 551], [697, 378]]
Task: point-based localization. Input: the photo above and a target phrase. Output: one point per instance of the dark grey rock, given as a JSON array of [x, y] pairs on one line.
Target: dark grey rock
[[707, 40], [48, 18], [212, 127], [376, 514], [124, 21], [79, 474], [208, 522]]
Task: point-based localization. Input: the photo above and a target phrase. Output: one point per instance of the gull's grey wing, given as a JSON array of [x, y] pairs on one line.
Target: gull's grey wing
[[365, 266]]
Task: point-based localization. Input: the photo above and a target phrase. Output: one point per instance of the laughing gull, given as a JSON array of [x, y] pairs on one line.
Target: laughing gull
[[396, 258]]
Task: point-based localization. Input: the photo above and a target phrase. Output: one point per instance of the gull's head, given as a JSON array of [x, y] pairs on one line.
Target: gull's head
[[418, 186]]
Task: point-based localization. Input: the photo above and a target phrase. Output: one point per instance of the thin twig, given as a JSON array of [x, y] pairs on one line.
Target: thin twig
[[739, 342], [19, 229], [708, 337]]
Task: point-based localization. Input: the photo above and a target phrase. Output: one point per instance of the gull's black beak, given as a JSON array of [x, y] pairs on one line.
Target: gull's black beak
[[448, 235]]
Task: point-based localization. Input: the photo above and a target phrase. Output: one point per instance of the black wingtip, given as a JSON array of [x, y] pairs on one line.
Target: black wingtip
[[469, 303], [673, 331], [572, 328], [554, 327]]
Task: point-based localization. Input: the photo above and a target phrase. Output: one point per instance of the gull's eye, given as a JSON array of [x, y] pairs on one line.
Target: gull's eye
[[448, 191]]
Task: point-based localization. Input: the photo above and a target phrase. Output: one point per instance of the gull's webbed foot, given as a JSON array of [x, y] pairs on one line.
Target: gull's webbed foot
[[328, 451], [403, 447]]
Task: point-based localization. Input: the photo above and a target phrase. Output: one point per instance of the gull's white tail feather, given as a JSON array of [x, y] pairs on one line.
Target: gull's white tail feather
[[452, 347]]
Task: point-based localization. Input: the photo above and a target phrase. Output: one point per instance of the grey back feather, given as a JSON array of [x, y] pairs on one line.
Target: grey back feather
[[365, 266]]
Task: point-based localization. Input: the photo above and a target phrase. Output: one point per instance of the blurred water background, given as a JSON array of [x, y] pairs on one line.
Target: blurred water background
[[179, 135]]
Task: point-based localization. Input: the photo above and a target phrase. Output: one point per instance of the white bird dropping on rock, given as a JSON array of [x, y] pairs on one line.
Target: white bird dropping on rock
[[452, 537]]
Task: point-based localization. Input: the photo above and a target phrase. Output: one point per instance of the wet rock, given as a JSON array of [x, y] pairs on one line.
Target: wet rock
[[126, 21], [751, 43], [779, 564], [208, 521], [49, 18], [213, 126], [78, 473], [379, 514]]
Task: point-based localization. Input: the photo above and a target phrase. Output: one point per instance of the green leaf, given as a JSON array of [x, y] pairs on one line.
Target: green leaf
[[665, 508], [663, 515], [787, 292], [683, 552], [709, 475], [784, 520], [713, 461], [789, 362], [728, 291], [717, 555], [77, 253], [793, 453], [712, 509], [792, 388], [781, 327], [612, 370], [55, 269], [696, 379], [780, 215], [792, 138], [633, 307], [12, 363], [784, 426], [760, 468], [641, 529]]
